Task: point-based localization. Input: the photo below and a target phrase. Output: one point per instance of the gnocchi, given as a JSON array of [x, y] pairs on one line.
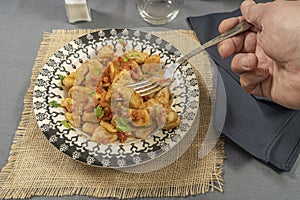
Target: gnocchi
[[100, 105]]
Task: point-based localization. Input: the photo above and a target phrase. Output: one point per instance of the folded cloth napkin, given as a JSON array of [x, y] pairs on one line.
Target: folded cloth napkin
[[263, 128]]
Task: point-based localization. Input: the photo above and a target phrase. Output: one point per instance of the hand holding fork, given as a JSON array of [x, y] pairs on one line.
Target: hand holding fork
[[154, 84]]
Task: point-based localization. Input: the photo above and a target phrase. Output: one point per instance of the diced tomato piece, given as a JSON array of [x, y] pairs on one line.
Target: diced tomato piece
[[120, 59], [126, 66], [105, 79], [122, 136], [123, 64]]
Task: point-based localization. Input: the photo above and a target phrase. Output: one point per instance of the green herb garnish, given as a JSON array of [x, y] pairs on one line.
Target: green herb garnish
[[99, 111], [92, 93], [96, 71], [54, 104], [61, 77], [66, 124], [134, 54], [148, 74], [122, 125]]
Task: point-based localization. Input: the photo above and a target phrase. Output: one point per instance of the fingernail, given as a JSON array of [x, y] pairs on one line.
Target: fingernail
[[248, 2], [245, 5], [244, 62]]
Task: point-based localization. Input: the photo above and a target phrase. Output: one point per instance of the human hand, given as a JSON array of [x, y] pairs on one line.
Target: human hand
[[268, 56]]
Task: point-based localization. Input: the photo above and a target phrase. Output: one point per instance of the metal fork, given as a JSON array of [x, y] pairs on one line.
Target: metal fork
[[154, 84]]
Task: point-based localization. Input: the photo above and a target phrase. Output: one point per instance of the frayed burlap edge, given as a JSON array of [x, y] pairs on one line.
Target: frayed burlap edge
[[216, 182]]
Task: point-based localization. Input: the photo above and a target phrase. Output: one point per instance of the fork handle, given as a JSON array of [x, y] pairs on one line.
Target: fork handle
[[239, 28]]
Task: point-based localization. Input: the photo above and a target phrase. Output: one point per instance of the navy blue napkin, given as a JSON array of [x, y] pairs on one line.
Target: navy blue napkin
[[263, 128]]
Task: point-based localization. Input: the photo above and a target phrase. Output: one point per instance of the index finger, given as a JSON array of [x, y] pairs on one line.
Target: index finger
[[229, 23]]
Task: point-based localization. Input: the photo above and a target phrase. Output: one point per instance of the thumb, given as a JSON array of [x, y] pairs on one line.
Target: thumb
[[253, 12]]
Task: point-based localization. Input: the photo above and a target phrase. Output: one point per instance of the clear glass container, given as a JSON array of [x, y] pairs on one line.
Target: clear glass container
[[158, 12]]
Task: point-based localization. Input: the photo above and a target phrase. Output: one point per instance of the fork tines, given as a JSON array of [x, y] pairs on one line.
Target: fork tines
[[149, 86]]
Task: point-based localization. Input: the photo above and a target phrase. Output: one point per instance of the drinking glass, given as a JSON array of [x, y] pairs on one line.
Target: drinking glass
[[158, 12]]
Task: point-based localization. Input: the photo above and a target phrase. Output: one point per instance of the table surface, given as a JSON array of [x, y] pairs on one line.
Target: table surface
[[21, 31]]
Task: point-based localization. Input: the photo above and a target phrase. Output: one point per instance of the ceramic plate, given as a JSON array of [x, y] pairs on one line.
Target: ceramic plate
[[114, 155]]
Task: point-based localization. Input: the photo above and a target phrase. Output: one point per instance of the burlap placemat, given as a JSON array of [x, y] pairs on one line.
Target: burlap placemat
[[36, 168]]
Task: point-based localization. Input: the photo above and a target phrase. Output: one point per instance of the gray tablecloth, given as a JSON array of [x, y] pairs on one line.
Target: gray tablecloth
[[22, 26]]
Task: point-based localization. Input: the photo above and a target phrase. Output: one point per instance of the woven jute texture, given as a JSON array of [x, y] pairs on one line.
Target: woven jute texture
[[37, 168]]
